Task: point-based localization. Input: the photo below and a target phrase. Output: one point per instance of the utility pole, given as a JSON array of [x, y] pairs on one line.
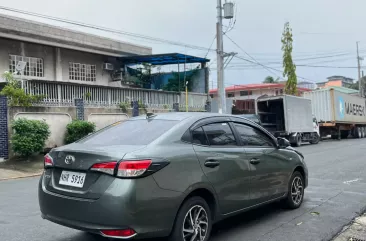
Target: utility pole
[[220, 61], [228, 14], [360, 87]]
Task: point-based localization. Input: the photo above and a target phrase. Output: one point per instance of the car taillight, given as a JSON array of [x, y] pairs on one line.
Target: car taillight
[[124, 233], [133, 168], [107, 167], [48, 161], [130, 168]]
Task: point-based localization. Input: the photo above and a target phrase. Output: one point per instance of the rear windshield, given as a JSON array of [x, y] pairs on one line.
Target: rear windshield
[[136, 132]]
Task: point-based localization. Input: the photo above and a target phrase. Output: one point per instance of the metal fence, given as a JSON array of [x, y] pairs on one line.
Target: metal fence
[[64, 94]]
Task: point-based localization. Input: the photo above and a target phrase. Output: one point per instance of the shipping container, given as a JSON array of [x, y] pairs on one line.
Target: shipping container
[[339, 114], [332, 106]]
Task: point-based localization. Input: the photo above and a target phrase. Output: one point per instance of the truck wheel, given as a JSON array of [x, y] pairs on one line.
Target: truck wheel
[[298, 141], [358, 132], [316, 139], [353, 132], [344, 134]]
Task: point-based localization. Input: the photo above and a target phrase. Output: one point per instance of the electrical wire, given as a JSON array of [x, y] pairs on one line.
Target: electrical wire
[[255, 61], [209, 49], [264, 66]]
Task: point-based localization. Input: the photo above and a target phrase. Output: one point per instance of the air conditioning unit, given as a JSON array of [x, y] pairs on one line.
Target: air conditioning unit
[[108, 66]]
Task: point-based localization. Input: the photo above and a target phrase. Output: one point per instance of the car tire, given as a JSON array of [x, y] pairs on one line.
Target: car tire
[[183, 221], [296, 185]]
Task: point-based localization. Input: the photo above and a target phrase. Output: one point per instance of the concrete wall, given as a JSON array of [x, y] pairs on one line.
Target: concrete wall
[[55, 61], [102, 77], [58, 117]]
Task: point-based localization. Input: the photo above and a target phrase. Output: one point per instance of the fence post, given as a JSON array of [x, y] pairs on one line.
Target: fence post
[[208, 106], [79, 103], [135, 108], [4, 137], [176, 107]]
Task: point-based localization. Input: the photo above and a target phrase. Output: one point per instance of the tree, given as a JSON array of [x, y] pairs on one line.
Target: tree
[[16, 95], [174, 85], [141, 76], [289, 68], [270, 80]]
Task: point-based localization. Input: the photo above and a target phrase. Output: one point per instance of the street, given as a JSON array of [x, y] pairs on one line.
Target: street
[[336, 194]]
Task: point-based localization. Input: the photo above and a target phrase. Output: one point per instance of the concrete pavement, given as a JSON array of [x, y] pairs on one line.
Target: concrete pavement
[[335, 196]]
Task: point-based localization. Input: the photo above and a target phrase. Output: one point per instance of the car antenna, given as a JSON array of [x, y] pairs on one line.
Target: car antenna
[[150, 115]]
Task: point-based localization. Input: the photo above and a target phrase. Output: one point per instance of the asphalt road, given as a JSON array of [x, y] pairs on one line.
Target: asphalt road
[[336, 194]]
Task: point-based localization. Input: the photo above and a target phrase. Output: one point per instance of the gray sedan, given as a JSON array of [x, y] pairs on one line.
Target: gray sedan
[[168, 175]]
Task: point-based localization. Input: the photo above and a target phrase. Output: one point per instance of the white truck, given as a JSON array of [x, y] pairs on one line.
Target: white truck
[[339, 114], [289, 117]]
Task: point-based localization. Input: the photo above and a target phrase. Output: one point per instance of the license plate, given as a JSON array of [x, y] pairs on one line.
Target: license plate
[[74, 179]]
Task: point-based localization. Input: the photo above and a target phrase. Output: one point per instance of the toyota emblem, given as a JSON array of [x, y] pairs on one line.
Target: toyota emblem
[[69, 159]]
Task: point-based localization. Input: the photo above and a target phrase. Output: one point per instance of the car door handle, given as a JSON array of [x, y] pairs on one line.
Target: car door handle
[[212, 163], [255, 161]]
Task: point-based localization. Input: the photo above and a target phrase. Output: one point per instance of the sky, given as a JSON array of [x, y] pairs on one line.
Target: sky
[[325, 31]]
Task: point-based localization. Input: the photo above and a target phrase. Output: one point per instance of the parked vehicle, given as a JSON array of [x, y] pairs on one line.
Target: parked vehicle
[[172, 174], [339, 114], [253, 117], [289, 117]]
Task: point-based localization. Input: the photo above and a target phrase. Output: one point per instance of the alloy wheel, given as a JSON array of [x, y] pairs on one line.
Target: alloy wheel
[[195, 225], [297, 190]]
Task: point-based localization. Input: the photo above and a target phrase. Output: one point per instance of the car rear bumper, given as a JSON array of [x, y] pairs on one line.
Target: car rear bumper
[[137, 204]]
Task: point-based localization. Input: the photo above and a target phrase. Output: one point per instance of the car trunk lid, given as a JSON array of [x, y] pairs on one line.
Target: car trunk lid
[[71, 174]]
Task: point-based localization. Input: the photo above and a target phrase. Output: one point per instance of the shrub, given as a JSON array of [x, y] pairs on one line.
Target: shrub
[[124, 106], [29, 137], [78, 129], [16, 95]]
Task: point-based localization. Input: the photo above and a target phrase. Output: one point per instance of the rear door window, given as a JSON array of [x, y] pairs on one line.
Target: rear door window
[[132, 132], [199, 137], [219, 134]]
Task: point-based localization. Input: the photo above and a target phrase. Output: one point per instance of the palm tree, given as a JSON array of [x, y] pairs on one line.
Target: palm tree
[[270, 80]]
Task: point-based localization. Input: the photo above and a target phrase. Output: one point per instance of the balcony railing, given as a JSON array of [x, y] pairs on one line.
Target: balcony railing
[[64, 94]]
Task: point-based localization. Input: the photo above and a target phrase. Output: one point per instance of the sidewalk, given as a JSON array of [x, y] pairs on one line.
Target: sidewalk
[[19, 168], [356, 231]]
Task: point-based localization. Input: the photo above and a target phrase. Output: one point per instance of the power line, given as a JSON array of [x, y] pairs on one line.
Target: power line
[[302, 65], [85, 25], [264, 66], [255, 61], [280, 63], [209, 49]]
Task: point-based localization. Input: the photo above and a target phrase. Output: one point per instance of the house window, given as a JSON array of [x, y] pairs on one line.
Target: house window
[[230, 95], [82, 72], [246, 93], [33, 68]]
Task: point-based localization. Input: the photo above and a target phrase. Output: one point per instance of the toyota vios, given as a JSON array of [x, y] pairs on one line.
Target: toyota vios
[[171, 175]]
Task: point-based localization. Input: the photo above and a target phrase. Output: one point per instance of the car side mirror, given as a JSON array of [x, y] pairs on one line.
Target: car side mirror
[[282, 142]]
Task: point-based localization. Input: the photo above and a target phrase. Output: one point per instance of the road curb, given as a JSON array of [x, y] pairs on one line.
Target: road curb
[[19, 177], [356, 230]]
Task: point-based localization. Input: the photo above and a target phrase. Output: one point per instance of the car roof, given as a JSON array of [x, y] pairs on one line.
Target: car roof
[[180, 116]]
